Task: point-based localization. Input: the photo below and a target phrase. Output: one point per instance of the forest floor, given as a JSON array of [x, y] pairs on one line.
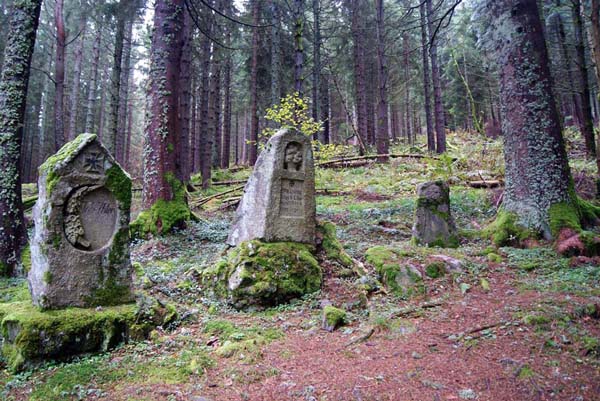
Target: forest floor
[[516, 324]]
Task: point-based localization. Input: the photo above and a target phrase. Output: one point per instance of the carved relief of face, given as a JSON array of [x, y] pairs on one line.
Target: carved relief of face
[[293, 157]]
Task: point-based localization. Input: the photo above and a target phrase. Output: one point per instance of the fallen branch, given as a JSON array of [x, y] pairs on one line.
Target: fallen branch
[[231, 182], [475, 330], [412, 310], [362, 338], [373, 157], [485, 184], [216, 196]]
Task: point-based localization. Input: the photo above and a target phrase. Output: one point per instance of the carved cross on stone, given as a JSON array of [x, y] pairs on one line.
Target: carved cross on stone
[[93, 162]]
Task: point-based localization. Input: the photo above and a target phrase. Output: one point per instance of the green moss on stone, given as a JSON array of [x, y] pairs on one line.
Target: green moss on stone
[[332, 246], [30, 334], [163, 215], [399, 278], [47, 278], [264, 274], [63, 156], [333, 317], [119, 184]]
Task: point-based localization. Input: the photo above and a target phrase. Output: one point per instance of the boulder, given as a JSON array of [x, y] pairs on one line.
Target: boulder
[[434, 225]]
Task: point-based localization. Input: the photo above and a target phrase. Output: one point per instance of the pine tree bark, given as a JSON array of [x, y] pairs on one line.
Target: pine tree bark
[[95, 69], [316, 71], [537, 172], [382, 109], [205, 141], [160, 166], [111, 135], [357, 28], [77, 78], [59, 77], [426, 79], [121, 137], [253, 139], [21, 33], [226, 148], [587, 123], [595, 36], [440, 125], [275, 53], [298, 46], [185, 86]]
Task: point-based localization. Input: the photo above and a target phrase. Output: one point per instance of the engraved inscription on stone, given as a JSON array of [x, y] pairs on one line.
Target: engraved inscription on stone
[[291, 203], [293, 157], [90, 218]]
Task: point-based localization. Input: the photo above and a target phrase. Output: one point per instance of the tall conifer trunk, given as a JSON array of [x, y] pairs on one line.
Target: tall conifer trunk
[[539, 194], [22, 28]]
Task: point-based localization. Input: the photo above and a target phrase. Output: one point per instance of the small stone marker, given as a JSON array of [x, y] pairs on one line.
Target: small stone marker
[[434, 225], [80, 249], [279, 198]]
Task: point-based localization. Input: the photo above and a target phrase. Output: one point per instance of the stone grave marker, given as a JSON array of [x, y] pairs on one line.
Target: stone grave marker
[[80, 249], [279, 198], [434, 225]]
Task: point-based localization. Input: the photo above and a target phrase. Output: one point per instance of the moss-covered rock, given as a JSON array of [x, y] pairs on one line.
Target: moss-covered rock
[[333, 317], [258, 274], [30, 335], [328, 241], [401, 278], [434, 225], [163, 215], [435, 269]]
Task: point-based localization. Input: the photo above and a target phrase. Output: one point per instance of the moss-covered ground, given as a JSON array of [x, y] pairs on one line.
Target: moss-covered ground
[[491, 323]]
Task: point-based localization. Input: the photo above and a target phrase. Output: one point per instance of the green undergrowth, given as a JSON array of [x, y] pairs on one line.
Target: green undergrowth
[[163, 215], [398, 275], [242, 342]]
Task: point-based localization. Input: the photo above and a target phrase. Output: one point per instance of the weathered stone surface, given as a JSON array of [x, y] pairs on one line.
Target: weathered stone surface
[[434, 225], [398, 275], [80, 249], [256, 274], [279, 198]]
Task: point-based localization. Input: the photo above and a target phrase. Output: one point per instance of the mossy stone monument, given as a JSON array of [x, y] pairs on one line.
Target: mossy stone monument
[[434, 225], [80, 249], [274, 231], [279, 198]]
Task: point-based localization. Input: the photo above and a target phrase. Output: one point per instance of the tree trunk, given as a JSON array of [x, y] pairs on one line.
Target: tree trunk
[[205, 142], [226, 148], [253, 140], [382, 112], [275, 53], [324, 102], [185, 83], [440, 129], [121, 138], [110, 138], [163, 97], [21, 32], [316, 72], [59, 77], [595, 37], [538, 179], [298, 46], [357, 28], [426, 80], [95, 66], [77, 79], [587, 123], [405, 41]]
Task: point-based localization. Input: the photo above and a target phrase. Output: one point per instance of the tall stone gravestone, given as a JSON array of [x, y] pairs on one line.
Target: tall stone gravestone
[[279, 198], [80, 249]]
